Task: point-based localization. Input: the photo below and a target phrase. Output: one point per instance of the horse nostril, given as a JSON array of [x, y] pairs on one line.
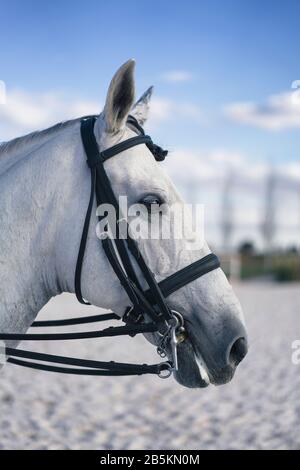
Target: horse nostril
[[238, 351]]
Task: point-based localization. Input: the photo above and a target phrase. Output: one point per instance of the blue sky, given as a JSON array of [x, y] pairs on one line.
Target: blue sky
[[229, 52], [235, 51]]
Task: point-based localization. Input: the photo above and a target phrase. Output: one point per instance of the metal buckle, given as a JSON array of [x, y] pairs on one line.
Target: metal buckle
[[131, 317]]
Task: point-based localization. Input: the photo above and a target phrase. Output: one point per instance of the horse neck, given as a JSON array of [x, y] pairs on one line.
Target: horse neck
[[41, 215]]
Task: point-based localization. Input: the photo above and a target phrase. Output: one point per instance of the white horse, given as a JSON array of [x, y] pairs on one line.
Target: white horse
[[45, 186]]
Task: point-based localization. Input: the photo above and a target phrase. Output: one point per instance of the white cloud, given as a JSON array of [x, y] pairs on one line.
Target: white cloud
[[212, 167], [207, 167], [24, 112], [279, 112], [175, 76], [200, 176], [290, 170], [2, 92], [163, 109]]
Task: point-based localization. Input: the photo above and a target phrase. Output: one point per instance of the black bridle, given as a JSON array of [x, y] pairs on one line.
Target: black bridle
[[148, 312]]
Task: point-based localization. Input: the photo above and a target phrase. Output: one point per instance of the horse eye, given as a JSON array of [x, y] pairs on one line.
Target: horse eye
[[151, 200]]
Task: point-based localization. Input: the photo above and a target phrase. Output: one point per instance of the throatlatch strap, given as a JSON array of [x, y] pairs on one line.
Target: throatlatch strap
[[119, 271], [83, 241]]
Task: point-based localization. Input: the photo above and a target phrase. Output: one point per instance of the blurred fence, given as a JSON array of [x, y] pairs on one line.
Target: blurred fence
[[281, 267]]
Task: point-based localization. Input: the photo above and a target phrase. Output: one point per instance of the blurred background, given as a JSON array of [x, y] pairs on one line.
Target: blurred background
[[227, 106]]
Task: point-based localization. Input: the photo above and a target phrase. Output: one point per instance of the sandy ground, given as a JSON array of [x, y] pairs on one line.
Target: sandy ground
[[259, 409]]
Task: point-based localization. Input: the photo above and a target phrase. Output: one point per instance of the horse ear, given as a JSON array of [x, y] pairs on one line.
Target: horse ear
[[141, 108], [120, 97]]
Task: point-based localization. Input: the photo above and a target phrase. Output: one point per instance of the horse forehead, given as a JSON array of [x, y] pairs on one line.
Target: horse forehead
[[134, 168], [137, 167]]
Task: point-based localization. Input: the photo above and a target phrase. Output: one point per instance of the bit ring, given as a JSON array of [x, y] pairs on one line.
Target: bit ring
[[166, 373]]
